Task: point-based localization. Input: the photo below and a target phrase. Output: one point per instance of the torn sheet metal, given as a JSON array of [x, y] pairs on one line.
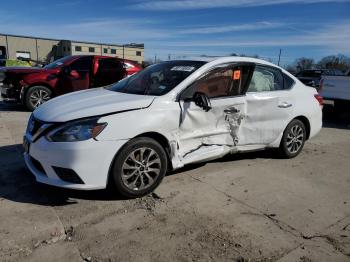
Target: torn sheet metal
[[233, 124], [208, 135]]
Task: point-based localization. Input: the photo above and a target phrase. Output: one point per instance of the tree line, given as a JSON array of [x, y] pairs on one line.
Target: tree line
[[340, 62]]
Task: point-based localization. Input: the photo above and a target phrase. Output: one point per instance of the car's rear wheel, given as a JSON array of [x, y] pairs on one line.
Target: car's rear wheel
[[293, 139], [36, 96], [139, 167]]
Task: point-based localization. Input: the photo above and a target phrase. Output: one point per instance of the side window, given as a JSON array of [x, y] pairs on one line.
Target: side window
[[266, 79], [229, 80], [82, 64], [109, 71], [109, 65], [288, 82], [216, 83]]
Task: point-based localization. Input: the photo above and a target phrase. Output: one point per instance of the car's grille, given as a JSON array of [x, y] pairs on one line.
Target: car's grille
[[67, 175]]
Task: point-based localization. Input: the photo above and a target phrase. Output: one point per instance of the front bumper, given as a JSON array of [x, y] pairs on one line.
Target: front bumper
[[90, 160]]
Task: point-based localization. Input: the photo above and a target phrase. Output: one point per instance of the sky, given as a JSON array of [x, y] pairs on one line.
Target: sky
[[186, 28]]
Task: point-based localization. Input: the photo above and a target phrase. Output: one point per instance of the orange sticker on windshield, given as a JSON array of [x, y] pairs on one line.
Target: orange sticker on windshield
[[236, 74]]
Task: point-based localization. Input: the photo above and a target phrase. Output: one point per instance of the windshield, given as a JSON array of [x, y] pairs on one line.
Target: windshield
[[158, 79], [57, 63]]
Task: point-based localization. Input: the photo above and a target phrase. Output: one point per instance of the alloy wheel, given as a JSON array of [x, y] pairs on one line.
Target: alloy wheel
[[141, 168], [295, 139], [39, 97]]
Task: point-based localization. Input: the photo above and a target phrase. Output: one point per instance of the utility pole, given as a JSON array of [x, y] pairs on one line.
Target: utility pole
[[155, 58], [279, 57], [169, 58]]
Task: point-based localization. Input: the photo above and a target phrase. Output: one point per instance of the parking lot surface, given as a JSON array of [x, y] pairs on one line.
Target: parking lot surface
[[243, 207]]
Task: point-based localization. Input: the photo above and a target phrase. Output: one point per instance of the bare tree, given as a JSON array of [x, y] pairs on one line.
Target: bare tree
[[340, 62], [304, 63]]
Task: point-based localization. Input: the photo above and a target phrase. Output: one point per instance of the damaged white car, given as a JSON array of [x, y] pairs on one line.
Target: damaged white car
[[166, 116]]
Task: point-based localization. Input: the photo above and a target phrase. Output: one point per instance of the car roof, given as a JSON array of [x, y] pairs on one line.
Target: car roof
[[98, 56], [229, 59], [102, 56]]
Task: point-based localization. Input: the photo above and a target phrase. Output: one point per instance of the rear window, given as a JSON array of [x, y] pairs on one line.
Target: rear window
[[288, 82]]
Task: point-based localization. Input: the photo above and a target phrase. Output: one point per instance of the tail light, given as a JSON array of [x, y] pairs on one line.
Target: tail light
[[319, 99]]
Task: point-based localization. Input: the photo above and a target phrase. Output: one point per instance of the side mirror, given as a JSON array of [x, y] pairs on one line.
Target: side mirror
[[202, 100]]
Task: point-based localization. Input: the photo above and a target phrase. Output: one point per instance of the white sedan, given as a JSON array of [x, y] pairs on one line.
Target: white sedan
[[169, 115]]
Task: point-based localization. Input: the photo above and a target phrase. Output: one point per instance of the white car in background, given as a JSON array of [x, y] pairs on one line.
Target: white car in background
[[132, 132]]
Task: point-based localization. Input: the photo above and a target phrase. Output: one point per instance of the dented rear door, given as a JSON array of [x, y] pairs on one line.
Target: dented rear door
[[269, 106]]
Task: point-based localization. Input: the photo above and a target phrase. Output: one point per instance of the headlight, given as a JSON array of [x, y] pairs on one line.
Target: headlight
[[76, 131]]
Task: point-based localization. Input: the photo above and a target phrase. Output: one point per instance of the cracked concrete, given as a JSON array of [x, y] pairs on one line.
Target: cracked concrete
[[244, 207]]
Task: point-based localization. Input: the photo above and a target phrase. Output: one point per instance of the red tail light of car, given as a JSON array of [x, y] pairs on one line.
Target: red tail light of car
[[319, 99]]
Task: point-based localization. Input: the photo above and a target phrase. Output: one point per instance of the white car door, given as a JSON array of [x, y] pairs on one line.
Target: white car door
[[270, 105], [210, 134]]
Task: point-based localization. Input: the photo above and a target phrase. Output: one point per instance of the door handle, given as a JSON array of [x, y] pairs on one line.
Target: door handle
[[231, 110], [284, 105]]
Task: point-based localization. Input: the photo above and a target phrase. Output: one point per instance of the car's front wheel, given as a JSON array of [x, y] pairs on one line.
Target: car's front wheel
[[293, 139], [36, 96], [139, 167]]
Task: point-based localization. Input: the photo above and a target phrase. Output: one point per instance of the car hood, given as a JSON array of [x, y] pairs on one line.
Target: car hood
[[87, 103]]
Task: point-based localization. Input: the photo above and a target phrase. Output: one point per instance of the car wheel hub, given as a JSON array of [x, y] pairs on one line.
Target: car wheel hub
[[39, 97], [141, 168], [295, 139]]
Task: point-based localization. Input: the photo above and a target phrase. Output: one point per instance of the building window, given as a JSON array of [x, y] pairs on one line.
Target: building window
[[78, 48], [105, 50], [68, 49], [64, 49], [113, 51], [23, 55], [92, 49], [138, 53]]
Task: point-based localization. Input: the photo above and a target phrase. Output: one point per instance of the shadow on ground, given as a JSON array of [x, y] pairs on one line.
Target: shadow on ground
[[11, 107], [18, 184]]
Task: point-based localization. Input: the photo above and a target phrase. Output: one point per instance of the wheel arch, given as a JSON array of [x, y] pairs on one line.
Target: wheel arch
[[163, 141], [38, 84], [306, 123], [27, 88]]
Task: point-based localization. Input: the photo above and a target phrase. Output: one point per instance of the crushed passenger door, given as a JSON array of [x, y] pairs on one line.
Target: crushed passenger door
[[212, 134]]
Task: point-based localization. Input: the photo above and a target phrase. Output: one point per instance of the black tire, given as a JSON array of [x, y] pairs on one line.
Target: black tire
[[292, 142], [40, 94], [124, 159]]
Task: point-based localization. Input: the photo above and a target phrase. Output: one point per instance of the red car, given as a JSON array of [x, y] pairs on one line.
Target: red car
[[34, 86]]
